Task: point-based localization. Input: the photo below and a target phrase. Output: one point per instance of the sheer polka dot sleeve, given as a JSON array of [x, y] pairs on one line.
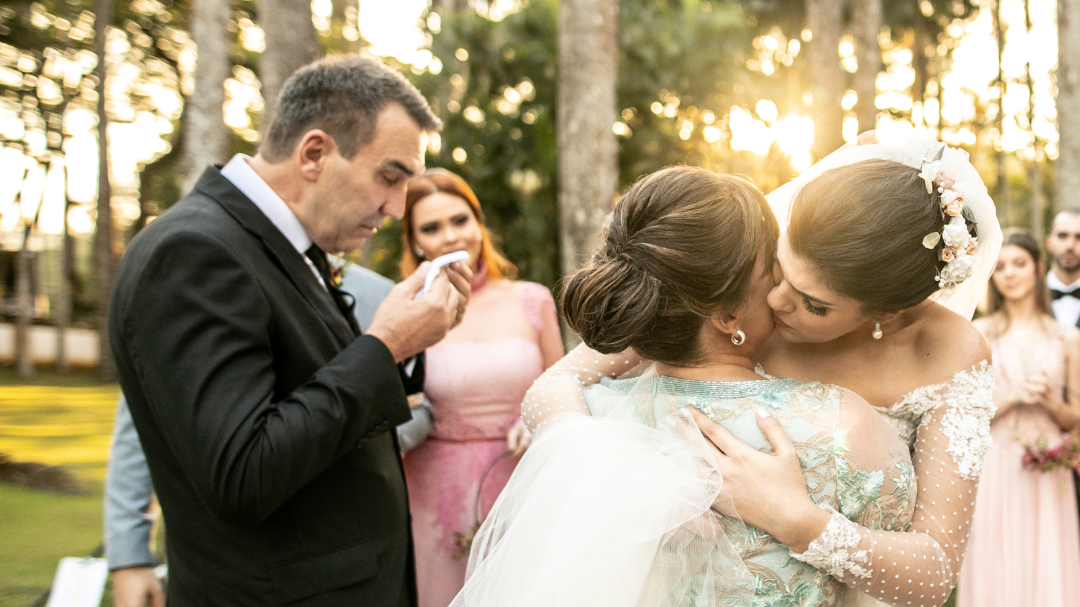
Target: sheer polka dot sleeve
[[560, 390], [920, 566]]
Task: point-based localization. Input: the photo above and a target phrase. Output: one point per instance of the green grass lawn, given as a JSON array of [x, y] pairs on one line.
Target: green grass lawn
[[56, 420]]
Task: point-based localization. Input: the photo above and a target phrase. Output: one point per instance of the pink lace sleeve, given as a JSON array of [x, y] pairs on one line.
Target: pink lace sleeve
[[537, 302]]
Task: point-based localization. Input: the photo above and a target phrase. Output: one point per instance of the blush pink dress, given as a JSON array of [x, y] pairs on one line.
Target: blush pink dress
[[1025, 541], [476, 379]]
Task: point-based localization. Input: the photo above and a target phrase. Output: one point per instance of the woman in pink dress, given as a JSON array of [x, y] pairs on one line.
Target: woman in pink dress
[[1025, 542], [476, 379]]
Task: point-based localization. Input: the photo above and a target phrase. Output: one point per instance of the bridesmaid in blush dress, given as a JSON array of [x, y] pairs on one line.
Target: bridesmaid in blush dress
[[476, 379], [1025, 542]]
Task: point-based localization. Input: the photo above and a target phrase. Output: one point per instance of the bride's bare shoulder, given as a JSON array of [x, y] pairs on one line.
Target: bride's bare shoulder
[[952, 342]]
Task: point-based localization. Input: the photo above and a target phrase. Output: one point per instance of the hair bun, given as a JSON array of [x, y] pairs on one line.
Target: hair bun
[[611, 303], [680, 245]]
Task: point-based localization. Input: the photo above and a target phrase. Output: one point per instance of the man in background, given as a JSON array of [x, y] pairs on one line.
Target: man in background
[[1063, 280], [1063, 244]]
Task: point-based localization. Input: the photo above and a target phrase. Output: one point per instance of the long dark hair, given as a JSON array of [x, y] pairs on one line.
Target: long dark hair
[[1023, 239], [863, 225]]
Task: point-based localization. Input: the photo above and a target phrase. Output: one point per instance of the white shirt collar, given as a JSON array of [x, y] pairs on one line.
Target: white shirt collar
[[240, 173], [1053, 282]]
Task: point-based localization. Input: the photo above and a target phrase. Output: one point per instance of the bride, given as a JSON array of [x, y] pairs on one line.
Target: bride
[[618, 502], [886, 251]]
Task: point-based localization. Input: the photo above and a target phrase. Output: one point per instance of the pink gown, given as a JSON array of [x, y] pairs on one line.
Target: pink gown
[[476, 380], [1025, 541]]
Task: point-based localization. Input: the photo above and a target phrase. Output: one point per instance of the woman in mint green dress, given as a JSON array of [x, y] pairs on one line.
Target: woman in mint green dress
[[620, 502]]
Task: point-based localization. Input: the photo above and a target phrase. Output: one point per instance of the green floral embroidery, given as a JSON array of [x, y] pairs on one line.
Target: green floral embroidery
[[904, 482], [772, 400], [857, 490], [772, 593], [807, 411]]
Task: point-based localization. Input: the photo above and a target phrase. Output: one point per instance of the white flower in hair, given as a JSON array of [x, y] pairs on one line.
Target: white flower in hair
[[958, 270], [929, 173], [950, 195], [952, 202], [955, 233]]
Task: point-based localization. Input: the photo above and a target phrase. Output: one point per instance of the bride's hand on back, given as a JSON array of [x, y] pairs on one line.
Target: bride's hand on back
[[768, 489]]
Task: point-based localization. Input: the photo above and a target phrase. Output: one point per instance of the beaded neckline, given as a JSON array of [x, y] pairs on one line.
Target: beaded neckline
[[704, 389]]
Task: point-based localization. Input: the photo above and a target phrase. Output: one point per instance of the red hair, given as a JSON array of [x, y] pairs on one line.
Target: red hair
[[441, 180]]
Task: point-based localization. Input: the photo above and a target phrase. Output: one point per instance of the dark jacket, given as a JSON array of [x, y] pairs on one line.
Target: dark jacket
[[267, 423]]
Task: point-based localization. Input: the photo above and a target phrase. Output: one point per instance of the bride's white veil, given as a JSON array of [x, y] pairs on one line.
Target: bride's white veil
[[612, 508], [978, 206]]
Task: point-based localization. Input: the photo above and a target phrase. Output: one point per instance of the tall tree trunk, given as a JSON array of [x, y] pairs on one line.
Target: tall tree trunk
[[207, 137], [1038, 218], [825, 20], [291, 43], [1004, 205], [63, 295], [866, 24], [104, 256], [25, 314], [1038, 201], [1067, 168], [588, 151], [920, 62]]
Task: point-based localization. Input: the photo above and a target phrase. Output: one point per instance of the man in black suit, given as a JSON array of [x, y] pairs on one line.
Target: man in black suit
[[266, 417], [1063, 244]]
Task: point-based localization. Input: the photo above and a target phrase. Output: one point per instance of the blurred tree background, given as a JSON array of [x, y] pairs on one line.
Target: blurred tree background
[[756, 87]]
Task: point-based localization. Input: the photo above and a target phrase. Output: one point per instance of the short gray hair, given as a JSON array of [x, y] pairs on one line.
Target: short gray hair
[[342, 96]]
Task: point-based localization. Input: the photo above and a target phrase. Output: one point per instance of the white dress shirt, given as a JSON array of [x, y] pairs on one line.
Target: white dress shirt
[[240, 173], [1067, 308]]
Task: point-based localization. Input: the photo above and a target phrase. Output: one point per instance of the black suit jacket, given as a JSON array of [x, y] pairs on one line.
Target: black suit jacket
[[268, 425]]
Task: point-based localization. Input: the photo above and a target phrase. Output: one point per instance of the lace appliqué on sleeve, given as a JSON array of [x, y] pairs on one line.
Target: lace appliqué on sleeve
[[836, 550], [968, 401]]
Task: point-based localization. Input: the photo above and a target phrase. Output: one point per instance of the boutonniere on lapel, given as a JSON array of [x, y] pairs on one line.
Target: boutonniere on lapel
[[337, 268]]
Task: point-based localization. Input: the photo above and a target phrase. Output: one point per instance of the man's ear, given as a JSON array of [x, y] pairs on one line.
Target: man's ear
[[312, 153]]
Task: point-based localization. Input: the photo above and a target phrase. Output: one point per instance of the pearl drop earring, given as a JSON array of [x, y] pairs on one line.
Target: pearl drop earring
[[877, 331]]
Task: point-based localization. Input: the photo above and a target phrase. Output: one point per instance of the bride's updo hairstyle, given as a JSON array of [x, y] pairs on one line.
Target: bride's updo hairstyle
[[680, 245], [863, 225]]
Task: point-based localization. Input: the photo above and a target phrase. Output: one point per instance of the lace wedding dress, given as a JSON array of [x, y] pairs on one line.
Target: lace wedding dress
[[946, 426], [612, 505]]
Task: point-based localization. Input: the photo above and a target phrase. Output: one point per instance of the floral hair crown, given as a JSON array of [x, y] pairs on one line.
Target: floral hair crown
[[958, 251]]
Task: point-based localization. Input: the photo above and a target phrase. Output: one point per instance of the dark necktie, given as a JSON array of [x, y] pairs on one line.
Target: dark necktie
[[345, 302], [1056, 295]]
